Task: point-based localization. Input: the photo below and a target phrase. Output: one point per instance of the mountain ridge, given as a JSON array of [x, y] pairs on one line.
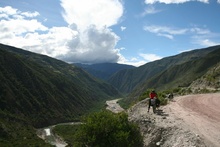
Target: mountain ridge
[[138, 76], [103, 70], [37, 91]]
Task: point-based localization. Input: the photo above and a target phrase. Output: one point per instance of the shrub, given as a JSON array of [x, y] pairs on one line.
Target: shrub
[[108, 129]]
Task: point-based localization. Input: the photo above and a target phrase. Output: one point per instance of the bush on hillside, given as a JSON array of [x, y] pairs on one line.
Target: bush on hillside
[[108, 129]]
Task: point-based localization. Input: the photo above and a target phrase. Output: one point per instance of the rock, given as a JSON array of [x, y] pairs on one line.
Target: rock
[[158, 143]]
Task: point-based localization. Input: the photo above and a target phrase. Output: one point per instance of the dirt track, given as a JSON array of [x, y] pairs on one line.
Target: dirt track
[[188, 121], [201, 113]]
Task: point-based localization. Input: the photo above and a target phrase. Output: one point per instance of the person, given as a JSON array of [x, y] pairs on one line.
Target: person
[[153, 96]]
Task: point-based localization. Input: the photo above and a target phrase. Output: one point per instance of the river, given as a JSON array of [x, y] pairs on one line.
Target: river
[[49, 137]]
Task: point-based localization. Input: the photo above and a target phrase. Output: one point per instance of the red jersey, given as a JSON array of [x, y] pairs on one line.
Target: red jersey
[[152, 95]]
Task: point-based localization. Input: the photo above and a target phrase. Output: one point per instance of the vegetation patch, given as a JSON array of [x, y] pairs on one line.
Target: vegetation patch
[[102, 129]]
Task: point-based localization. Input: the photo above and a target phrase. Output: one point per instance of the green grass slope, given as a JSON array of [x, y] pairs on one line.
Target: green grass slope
[[182, 75], [38, 90], [127, 80]]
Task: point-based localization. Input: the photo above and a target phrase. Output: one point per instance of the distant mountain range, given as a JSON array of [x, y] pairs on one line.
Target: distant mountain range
[[103, 70]]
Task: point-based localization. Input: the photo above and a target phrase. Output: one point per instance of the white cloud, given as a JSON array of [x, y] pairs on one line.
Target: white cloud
[[166, 35], [84, 13], [22, 26], [150, 10], [208, 42], [123, 28], [95, 42], [218, 1], [200, 36], [93, 46], [141, 60], [200, 31], [173, 1], [165, 31], [8, 11], [150, 57], [86, 39], [30, 14], [204, 41], [203, 36], [132, 61]]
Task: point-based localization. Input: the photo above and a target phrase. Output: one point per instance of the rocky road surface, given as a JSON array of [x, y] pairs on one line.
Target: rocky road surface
[[187, 121]]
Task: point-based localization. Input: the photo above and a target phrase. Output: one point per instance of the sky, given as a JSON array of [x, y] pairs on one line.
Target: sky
[[131, 32]]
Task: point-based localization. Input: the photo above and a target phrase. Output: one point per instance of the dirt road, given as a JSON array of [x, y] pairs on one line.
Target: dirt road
[[188, 121], [113, 106], [201, 113]]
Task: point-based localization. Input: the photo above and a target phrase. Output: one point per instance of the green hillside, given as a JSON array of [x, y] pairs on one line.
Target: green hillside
[[37, 91], [184, 74], [128, 80], [188, 75], [209, 81]]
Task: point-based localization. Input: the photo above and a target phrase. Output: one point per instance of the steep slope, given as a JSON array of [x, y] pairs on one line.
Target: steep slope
[[37, 90], [128, 80], [209, 81], [182, 75], [103, 70]]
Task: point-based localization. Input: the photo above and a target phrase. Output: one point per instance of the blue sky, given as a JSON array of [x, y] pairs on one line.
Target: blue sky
[[96, 31]]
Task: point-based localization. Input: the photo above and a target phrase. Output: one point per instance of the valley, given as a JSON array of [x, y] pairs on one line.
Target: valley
[[38, 91]]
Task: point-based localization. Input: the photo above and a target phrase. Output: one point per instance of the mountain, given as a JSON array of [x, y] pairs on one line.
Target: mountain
[[184, 74], [169, 72], [37, 91], [103, 70], [209, 81]]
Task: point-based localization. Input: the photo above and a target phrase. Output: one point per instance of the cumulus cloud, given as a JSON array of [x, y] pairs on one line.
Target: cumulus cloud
[[218, 1], [11, 33], [173, 1], [87, 38], [96, 12], [93, 46], [9, 13], [95, 42]]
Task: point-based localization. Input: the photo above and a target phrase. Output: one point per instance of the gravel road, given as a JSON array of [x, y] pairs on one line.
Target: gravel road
[[201, 113], [188, 121]]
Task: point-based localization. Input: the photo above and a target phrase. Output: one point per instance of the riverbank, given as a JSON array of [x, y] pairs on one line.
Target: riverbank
[[50, 137], [113, 106]]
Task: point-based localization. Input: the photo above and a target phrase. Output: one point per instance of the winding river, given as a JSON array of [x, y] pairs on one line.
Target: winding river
[[50, 137]]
